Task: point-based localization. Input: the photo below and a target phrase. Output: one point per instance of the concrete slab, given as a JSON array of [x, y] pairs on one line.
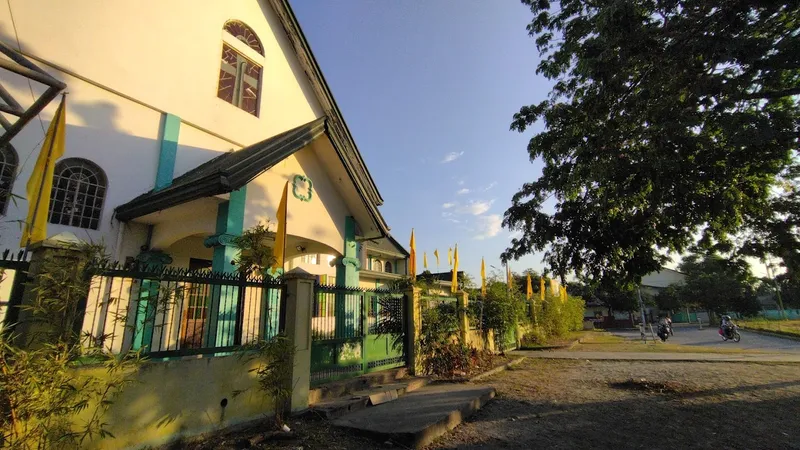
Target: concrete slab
[[419, 417]]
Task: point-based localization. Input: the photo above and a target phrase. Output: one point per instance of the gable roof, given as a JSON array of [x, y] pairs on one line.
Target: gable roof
[[233, 170], [338, 132], [387, 244], [211, 178]]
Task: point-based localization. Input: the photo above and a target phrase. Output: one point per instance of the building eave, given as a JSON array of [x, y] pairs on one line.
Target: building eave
[[379, 275], [340, 133]]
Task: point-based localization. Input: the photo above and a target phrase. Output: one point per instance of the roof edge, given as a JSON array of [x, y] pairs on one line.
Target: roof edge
[[339, 129]]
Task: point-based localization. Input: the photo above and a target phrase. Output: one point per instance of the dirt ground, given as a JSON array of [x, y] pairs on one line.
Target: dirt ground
[[610, 404], [564, 404]]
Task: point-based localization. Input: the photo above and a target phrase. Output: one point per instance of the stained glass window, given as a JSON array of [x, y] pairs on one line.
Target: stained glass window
[[79, 188], [8, 170], [239, 80], [245, 34]]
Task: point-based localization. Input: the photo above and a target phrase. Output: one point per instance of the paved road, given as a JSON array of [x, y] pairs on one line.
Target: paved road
[[788, 357], [708, 337]]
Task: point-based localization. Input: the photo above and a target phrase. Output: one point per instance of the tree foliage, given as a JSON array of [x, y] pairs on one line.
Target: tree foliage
[[45, 401], [666, 119], [718, 284], [255, 245]]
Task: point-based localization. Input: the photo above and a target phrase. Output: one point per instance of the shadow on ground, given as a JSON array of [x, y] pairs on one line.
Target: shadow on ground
[[598, 404]]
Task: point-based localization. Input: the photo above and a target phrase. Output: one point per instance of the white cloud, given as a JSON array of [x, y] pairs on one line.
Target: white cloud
[[488, 226], [461, 182], [448, 205], [476, 208], [463, 191], [491, 185], [452, 156]]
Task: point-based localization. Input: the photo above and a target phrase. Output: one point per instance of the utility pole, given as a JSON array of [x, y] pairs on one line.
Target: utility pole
[[777, 287], [641, 310]]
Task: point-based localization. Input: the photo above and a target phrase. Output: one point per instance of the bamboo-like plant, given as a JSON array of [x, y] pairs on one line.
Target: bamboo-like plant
[[45, 401]]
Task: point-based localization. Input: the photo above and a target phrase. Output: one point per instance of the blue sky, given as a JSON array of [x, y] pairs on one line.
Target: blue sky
[[428, 90]]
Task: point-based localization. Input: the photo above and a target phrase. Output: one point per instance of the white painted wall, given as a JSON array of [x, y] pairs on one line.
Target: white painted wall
[[167, 54], [322, 219], [663, 278], [118, 135], [187, 248]]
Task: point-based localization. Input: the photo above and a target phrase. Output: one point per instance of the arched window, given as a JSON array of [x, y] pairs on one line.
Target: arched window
[[245, 34], [377, 266], [79, 188], [240, 77], [388, 267], [8, 170]]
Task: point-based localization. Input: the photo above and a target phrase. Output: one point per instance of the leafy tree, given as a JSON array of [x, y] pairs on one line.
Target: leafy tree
[[718, 284], [255, 245], [777, 231], [618, 298], [669, 299], [666, 119]]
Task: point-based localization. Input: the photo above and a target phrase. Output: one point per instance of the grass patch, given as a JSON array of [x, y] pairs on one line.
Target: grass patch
[[784, 327], [555, 342]]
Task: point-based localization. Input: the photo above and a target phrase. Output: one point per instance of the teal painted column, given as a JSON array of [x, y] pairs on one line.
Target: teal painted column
[[223, 306], [148, 301], [169, 151], [349, 265], [348, 308]]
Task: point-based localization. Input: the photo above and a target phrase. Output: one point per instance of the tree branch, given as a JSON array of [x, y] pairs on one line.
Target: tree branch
[[770, 94]]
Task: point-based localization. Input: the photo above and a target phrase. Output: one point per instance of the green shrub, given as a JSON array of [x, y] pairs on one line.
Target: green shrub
[[442, 353], [556, 318]]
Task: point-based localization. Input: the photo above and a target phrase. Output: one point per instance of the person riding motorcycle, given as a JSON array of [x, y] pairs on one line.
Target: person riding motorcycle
[[663, 328], [726, 324]]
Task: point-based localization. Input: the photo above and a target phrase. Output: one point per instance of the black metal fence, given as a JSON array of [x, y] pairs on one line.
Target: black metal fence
[[13, 277], [173, 312]]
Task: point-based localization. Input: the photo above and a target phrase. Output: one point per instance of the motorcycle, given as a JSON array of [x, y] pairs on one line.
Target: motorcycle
[[664, 332], [730, 332]]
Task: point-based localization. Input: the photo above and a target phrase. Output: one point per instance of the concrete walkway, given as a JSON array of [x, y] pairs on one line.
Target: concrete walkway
[[419, 417], [663, 356]]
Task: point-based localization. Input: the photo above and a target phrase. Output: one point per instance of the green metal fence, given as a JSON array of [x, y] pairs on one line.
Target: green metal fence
[[167, 312], [355, 331]]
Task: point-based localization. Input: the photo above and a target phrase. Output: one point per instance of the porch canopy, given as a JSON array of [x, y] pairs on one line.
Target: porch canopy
[[196, 192]]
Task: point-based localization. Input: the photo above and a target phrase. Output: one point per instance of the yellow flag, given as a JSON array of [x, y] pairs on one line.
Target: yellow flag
[[541, 288], [41, 181], [280, 235], [450, 257], [563, 293], [454, 287], [412, 259], [425, 260], [483, 277], [530, 288], [436, 254]]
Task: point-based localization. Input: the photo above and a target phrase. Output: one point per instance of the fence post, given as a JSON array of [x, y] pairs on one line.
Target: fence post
[[365, 301], [32, 331], [238, 327], [412, 313], [463, 319], [299, 303]]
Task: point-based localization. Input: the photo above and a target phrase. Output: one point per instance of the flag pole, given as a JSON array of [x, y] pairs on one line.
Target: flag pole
[[41, 184]]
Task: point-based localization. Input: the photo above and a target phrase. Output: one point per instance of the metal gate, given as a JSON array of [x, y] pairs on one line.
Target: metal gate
[[13, 278], [355, 331]]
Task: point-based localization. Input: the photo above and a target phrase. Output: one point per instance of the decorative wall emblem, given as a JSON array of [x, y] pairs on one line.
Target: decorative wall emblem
[[302, 183]]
